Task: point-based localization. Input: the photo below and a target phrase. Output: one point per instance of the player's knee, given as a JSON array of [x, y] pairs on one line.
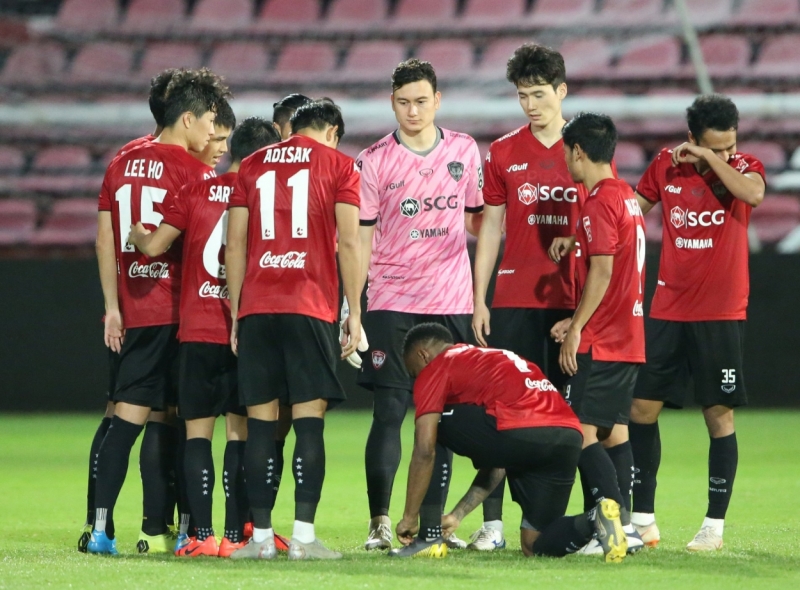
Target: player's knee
[[645, 411], [527, 538], [719, 421], [235, 427], [389, 408]]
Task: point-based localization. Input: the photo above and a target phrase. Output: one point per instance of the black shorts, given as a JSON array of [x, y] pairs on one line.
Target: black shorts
[[601, 392], [710, 353], [540, 463], [113, 369], [288, 357], [383, 364], [148, 367], [527, 333], [207, 384]]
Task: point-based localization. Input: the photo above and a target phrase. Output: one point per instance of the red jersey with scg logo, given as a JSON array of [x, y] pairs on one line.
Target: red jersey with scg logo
[[704, 273], [200, 211], [512, 389], [542, 203], [611, 224], [291, 189], [134, 189]]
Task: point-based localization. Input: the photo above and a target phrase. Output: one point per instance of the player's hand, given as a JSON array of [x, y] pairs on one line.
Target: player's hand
[[354, 359], [688, 152], [138, 231], [568, 357], [114, 330], [560, 248], [235, 337], [480, 323], [352, 338], [449, 525], [406, 530], [559, 331]]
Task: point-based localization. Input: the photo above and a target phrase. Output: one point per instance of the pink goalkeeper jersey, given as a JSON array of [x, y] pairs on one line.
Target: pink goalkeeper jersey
[[419, 258]]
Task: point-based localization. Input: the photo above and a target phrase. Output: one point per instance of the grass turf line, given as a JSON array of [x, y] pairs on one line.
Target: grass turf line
[[43, 464]]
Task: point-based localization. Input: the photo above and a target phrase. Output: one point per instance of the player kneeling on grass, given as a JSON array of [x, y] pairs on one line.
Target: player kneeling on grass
[[207, 374], [500, 411]]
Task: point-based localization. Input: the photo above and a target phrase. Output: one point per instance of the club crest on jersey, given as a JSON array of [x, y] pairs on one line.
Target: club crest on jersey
[[587, 226], [426, 172], [456, 170], [378, 358], [698, 191], [528, 193], [409, 207], [547, 164]]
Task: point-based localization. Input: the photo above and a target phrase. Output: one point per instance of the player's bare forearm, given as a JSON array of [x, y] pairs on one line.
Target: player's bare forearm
[[107, 260], [350, 255], [488, 247], [154, 243], [365, 233], [745, 187], [236, 254], [473, 222], [597, 281], [420, 469], [486, 480]]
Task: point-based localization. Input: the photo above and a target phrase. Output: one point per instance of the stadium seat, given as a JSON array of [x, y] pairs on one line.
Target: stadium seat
[[629, 13], [101, 64], [221, 15], [561, 13], [725, 55], [630, 156], [17, 220], [240, 61], [71, 222], [452, 58], [12, 160], [280, 16], [491, 15], [71, 159], [33, 65], [586, 58], [649, 58], [770, 13], [424, 15], [704, 13], [160, 56], [154, 16], [775, 217], [305, 62], [372, 61], [87, 16], [496, 55], [779, 57], [794, 162], [356, 15], [350, 149], [771, 154]]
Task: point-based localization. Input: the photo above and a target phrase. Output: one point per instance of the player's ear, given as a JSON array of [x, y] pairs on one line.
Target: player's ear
[[188, 119], [437, 100], [561, 91], [693, 139]]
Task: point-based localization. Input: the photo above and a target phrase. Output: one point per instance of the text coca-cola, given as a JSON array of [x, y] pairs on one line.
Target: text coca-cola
[[289, 260], [154, 270], [215, 291]]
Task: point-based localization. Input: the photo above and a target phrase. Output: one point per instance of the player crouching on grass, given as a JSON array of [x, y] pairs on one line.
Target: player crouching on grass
[[500, 411], [207, 374]]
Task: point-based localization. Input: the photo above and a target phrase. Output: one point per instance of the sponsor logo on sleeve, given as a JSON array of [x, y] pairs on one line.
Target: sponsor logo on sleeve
[[378, 358], [456, 170], [587, 226], [480, 177], [292, 259], [409, 207]]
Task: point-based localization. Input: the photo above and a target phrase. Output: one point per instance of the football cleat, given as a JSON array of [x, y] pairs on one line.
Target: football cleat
[[226, 547], [313, 550], [196, 548], [454, 542], [486, 539], [180, 540], [705, 540], [650, 534], [609, 531], [247, 531], [435, 549], [100, 544], [83, 540], [380, 534], [281, 543], [253, 550], [635, 542], [155, 543]]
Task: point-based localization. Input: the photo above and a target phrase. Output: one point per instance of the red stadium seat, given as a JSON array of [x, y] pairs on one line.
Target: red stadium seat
[[11, 160], [705, 13], [154, 16], [490, 14], [17, 221], [779, 57], [65, 158], [221, 15], [34, 64], [241, 62], [87, 16], [452, 58], [629, 13], [775, 217], [71, 222], [496, 55], [586, 58], [282, 16], [372, 61], [102, 63], [767, 12], [630, 156], [415, 15], [160, 56], [300, 62], [649, 58], [356, 15], [771, 154], [561, 13], [725, 55]]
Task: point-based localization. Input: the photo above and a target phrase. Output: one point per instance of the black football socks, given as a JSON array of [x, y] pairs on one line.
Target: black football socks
[[236, 507], [646, 447], [94, 453], [565, 535], [260, 461], [622, 458], [600, 474], [383, 452], [308, 466], [200, 479], [156, 465], [723, 458], [430, 513]]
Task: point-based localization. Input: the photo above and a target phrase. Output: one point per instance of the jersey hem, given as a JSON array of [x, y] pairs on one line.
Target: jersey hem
[[510, 306], [423, 311], [326, 319], [716, 318]]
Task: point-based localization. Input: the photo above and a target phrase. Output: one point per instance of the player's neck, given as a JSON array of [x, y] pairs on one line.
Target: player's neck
[[419, 141], [550, 134], [595, 173], [171, 136], [234, 167]]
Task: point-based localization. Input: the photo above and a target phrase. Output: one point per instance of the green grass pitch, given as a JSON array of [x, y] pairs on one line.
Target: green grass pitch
[[42, 486]]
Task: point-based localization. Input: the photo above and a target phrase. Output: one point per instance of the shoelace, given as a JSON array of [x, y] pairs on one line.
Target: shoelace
[[706, 535], [483, 534], [382, 531]]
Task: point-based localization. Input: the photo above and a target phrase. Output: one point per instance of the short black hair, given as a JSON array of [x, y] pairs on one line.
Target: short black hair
[[251, 135], [317, 114], [413, 70], [595, 133], [536, 65], [426, 333], [283, 110], [158, 88], [712, 111], [225, 117], [196, 91]]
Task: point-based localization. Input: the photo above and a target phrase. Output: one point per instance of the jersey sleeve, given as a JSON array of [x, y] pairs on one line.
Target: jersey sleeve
[[239, 196], [105, 200], [600, 224], [494, 189], [753, 165], [649, 184], [430, 390], [176, 207], [473, 202], [370, 197], [349, 183]]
